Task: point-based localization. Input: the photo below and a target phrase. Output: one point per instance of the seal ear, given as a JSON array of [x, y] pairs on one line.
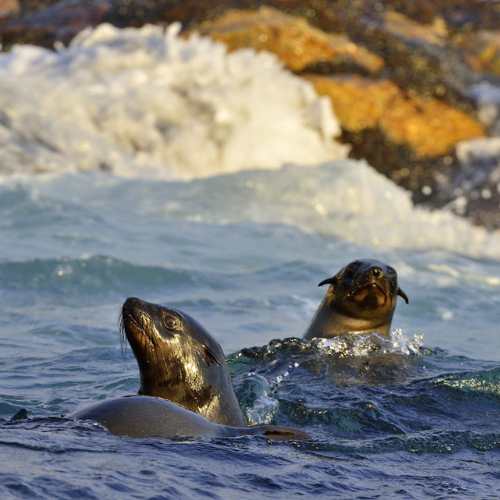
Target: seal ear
[[403, 295], [329, 281]]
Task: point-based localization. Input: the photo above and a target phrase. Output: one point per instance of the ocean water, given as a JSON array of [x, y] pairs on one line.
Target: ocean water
[[138, 163]]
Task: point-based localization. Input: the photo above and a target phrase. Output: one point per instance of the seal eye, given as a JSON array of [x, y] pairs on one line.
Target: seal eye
[[172, 322]]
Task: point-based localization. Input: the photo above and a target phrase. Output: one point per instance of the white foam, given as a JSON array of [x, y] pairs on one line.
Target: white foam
[[486, 148], [265, 405], [363, 345], [132, 100], [346, 198]]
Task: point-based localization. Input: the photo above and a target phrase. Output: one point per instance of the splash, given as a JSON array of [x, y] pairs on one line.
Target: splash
[[265, 406], [146, 100], [284, 361], [363, 345]]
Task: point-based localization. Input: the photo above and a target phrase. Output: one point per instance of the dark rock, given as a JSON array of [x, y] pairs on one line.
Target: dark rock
[[481, 51], [423, 177], [57, 23], [473, 188], [28, 6]]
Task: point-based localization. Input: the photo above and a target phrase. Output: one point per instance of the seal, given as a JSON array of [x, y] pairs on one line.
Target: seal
[[185, 390], [361, 298], [180, 361], [147, 416]]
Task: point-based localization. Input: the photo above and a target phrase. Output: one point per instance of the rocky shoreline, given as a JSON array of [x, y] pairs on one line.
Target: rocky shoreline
[[415, 85]]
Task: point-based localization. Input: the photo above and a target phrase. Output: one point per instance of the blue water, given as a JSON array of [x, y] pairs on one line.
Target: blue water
[[416, 419]]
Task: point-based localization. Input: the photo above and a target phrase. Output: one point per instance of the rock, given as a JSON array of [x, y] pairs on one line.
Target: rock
[[419, 57], [439, 60], [487, 98], [471, 186], [474, 188], [292, 39], [458, 14], [400, 26], [9, 8], [32, 5], [482, 51], [57, 23], [426, 126]]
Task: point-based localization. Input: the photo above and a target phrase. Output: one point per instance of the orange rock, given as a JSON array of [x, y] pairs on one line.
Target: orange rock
[[291, 38], [8, 7], [358, 103], [427, 126]]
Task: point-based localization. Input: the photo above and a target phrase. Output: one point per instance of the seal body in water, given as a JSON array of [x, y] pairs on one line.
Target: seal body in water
[[147, 416], [186, 388], [361, 298]]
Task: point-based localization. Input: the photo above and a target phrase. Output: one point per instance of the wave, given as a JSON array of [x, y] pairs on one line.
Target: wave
[[345, 199], [478, 382], [135, 100], [393, 397], [97, 274]]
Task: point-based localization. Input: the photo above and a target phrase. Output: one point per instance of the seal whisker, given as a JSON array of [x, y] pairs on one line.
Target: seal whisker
[[122, 333]]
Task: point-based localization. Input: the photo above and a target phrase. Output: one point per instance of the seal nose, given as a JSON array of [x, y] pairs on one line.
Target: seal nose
[[131, 304], [377, 272]]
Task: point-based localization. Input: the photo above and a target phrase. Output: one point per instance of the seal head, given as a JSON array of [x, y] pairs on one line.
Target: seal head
[[361, 298], [180, 361]]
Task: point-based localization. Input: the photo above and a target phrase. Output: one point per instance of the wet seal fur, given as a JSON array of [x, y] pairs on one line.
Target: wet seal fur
[[180, 361], [361, 298], [186, 388], [147, 416]]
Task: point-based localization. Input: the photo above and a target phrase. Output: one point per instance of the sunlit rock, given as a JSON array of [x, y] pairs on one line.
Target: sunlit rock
[[482, 51], [292, 39], [427, 126], [8, 7]]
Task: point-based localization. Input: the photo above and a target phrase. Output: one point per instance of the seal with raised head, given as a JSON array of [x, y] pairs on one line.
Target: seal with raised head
[[180, 361], [185, 389], [361, 298]]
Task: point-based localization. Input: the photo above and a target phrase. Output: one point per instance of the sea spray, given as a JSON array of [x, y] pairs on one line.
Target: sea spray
[[146, 100]]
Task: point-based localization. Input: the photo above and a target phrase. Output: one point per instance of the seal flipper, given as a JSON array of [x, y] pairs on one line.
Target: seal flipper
[[22, 414], [281, 433]]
